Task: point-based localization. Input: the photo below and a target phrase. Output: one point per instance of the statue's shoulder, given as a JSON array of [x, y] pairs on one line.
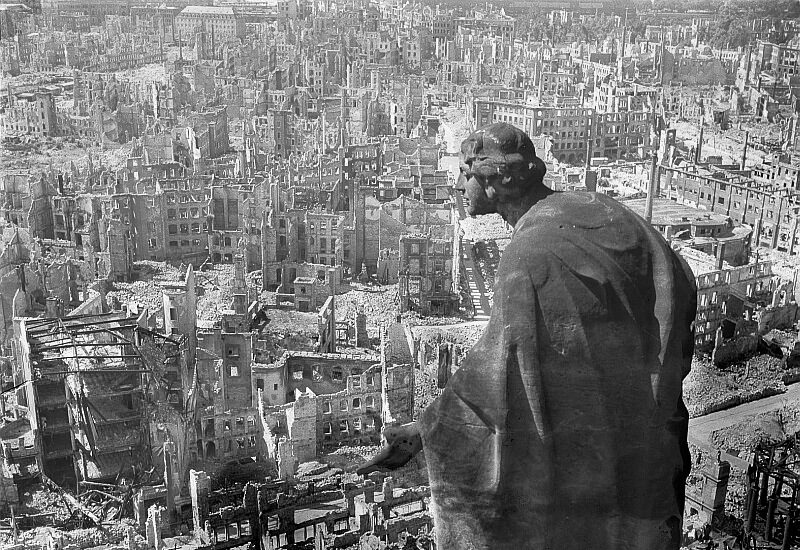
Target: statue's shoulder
[[563, 228]]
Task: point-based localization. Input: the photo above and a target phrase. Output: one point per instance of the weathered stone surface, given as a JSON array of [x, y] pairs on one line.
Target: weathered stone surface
[[565, 424]]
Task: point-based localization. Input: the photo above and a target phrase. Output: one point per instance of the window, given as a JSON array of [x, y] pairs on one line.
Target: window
[[337, 375], [356, 403], [184, 213], [356, 426], [356, 382], [275, 387], [343, 405], [326, 407], [297, 375], [172, 229], [234, 370], [327, 428], [152, 243], [370, 402], [171, 214], [343, 426]]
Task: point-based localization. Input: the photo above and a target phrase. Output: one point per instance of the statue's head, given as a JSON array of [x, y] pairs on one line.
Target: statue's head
[[498, 165]]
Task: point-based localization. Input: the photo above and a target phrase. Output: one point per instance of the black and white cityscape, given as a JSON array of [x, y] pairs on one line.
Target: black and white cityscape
[[234, 251]]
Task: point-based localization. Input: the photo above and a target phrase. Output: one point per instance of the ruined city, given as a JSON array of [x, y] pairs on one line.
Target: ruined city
[[232, 251]]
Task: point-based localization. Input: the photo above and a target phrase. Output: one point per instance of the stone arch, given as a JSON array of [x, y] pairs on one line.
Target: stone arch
[[211, 450]]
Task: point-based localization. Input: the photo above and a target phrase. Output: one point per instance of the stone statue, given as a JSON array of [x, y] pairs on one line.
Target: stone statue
[[565, 427]]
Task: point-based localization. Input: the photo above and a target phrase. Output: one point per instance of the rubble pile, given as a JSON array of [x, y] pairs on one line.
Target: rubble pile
[[708, 388], [144, 291], [347, 458], [491, 227], [25, 152], [464, 335], [38, 499], [783, 264], [772, 426], [379, 303], [214, 292], [108, 536], [412, 318], [425, 391]]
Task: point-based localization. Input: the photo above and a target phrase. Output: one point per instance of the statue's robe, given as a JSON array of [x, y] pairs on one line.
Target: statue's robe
[[565, 426]]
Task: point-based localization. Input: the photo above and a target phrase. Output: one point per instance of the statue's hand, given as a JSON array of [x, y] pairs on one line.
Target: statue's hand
[[400, 444]]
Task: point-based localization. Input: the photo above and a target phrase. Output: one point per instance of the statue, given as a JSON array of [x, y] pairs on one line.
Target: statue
[[565, 426]]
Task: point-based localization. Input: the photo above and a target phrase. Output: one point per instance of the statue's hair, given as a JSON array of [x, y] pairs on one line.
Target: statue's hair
[[502, 149]]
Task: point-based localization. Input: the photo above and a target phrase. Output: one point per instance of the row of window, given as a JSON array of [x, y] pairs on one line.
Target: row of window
[[173, 199], [232, 531], [353, 426], [323, 244], [240, 423], [337, 374], [186, 213], [323, 224], [153, 243], [344, 406], [183, 243], [174, 229]]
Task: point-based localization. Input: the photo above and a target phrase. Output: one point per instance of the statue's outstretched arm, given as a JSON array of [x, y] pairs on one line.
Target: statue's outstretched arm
[[400, 444]]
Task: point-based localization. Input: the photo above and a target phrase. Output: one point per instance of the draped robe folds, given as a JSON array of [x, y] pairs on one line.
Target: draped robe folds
[[565, 426]]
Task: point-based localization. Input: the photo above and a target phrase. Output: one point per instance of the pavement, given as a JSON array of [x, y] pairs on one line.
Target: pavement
[[477, 287], [701, 428]]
